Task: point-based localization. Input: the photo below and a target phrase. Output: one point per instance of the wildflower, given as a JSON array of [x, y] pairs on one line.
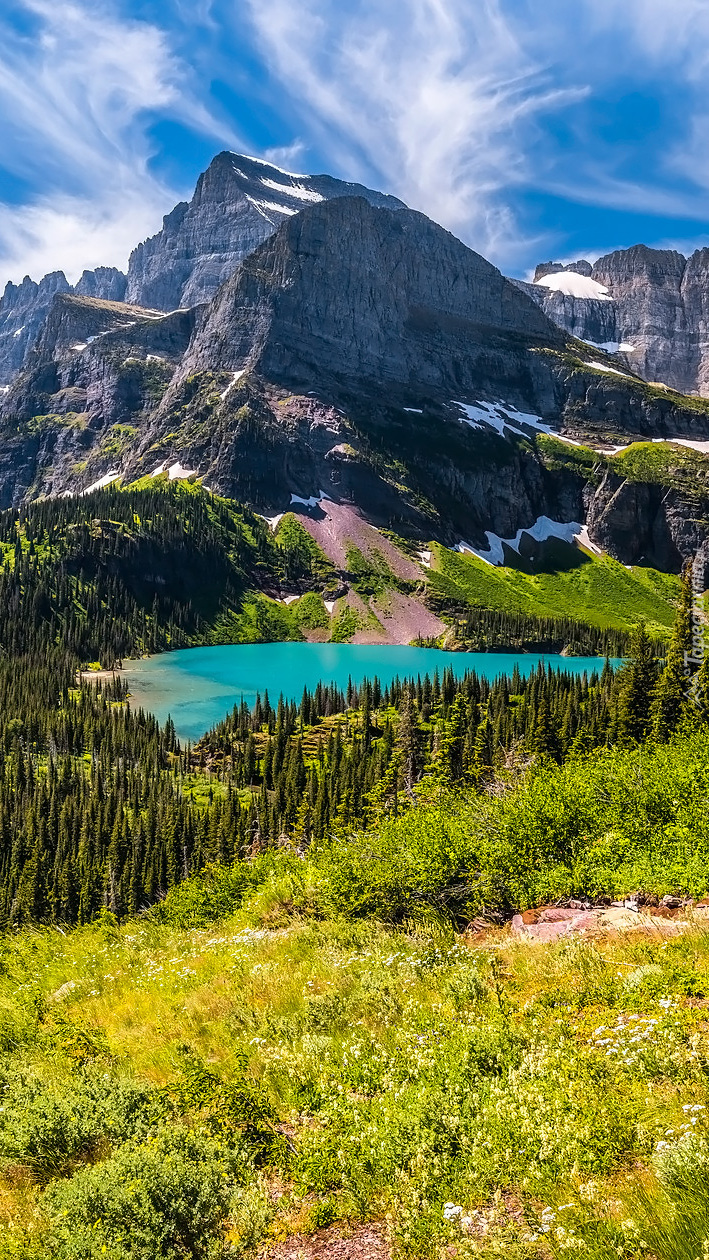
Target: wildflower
[[451, 1210]]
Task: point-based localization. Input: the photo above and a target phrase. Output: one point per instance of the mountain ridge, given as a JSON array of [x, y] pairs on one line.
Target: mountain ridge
[[654, 310], [360, 356]]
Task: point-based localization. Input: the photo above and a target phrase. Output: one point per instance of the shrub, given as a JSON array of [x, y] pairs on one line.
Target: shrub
[[167, 1197], [51, 1127]]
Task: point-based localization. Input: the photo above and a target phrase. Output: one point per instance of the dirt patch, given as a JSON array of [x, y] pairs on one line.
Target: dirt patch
[[552, 922], [366, 1243], [404, 618], [335, 525]]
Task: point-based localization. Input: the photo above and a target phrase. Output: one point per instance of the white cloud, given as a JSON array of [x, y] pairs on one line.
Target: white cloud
[[77, 98], [659, 30], [430, 95]]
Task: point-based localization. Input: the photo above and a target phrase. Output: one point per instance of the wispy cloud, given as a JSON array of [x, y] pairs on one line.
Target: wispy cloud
[[431, 96], [77, 96], [658, 30]]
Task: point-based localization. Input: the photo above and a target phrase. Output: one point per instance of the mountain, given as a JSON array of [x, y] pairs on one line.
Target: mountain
[[349, 293], [239, 202], [649, 305], [24, 308], [366, 367], [361, 357]]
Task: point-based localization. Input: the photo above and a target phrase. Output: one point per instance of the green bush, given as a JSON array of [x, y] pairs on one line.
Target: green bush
[[167, 1197], [599, 826], [310, 612], [345, 625], [52, 1127], [218, 891]]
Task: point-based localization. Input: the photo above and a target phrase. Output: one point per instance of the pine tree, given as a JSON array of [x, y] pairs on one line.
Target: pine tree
[[636, 690], [673, 687]]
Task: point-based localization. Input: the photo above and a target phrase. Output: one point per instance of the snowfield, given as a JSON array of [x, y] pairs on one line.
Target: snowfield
[[502, 416], [603, 367], [542, 529], [292, 190], [104, 481], [611, 347], [572, 284], [312, 502]]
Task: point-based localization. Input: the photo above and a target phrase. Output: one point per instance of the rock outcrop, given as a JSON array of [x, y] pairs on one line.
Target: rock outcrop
[[655, 314], [24, 308], [346, 292], [238, 203]]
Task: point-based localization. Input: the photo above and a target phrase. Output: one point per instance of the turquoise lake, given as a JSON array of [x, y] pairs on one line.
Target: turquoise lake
[[197, 687]]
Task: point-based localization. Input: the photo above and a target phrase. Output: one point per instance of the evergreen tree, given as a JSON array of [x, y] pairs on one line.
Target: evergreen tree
[[671, 696], [636, 689]]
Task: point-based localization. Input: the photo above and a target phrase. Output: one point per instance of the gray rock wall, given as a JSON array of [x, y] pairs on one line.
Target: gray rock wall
[[238, 203]]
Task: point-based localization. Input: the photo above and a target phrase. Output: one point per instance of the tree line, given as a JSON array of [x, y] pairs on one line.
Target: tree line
[[101, 808]]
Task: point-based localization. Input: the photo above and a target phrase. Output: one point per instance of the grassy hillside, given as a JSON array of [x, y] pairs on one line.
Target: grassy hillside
[[263, 1058], [163, 565], [665, 464], [596, 590], [166, 565]]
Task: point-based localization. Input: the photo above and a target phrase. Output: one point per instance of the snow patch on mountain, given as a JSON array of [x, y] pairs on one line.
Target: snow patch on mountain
[[611, 347], [502, 416], [542, 529], [262, 162], [293, 190], [104, 481], [572, 284], [235, 376], [312, 502], [702, 447], [603, 367], [177, 473]]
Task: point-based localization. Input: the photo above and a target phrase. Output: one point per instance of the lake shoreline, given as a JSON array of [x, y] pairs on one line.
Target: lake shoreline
[[198, 687]]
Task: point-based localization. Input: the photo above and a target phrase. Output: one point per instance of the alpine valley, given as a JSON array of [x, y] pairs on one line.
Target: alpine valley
[[296, 989]]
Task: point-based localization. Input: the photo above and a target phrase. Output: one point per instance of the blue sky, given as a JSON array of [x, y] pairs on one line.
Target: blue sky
[[531, 130]]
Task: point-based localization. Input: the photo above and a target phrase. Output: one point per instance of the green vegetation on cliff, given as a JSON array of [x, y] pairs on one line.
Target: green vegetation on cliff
[[568, 583]]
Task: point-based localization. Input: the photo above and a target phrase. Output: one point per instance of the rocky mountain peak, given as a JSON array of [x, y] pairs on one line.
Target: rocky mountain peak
[[581, 267], [23, 309], [348, 291], [649, 305], [107, 283], [238, 203], [659, 267]]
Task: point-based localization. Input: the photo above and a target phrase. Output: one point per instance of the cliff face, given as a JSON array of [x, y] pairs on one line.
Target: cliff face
[[655, 315], [96, 373], [24, 308], [238, 203], [364, 354], [348, 292]]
